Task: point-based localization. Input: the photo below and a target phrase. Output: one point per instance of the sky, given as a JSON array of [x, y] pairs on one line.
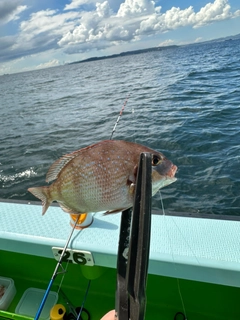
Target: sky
[[37, 34]]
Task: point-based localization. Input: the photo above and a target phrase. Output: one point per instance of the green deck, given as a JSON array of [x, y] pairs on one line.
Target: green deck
[[196, 259], [201, 300]]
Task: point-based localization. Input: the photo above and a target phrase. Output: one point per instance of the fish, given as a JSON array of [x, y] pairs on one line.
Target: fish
[[101, 177]]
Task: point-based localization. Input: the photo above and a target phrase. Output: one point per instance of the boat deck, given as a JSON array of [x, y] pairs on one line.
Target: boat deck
[[187, 248]]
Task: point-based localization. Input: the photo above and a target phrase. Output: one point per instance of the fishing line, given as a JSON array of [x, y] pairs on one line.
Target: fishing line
[[119, 116], [168, 236], [84, 299], [184, 238], [63, 276], [55, 273]]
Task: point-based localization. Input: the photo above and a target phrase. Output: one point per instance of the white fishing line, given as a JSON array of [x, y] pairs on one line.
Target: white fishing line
[[183, 236], [62, 278], [175, 265]]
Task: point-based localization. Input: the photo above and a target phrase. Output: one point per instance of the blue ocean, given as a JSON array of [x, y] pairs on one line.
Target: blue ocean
[[183, 101]]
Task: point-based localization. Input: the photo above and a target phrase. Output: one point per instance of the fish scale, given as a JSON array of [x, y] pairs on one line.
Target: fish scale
[[101, 177]]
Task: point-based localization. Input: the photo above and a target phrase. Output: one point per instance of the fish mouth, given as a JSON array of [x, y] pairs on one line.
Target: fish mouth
[[172, 171]]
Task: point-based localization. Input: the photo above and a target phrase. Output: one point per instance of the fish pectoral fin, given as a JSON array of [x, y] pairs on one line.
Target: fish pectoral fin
[[114, 211], [65, 208], [131, 181], [132, 188]]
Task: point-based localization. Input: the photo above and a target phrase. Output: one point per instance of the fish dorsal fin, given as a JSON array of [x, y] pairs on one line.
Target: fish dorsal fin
[[58, 165]]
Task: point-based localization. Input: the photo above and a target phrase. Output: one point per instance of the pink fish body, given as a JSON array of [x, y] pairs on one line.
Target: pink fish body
[[101, 177]]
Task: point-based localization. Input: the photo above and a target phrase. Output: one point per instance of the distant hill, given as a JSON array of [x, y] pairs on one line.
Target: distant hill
[[127, 53], [229, 38]]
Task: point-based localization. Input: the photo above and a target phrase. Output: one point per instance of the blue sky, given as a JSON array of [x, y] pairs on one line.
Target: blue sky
[[44, 33]]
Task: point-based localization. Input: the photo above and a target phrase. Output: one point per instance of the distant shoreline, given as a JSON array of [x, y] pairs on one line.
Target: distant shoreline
[[128, 53], [133, 52]]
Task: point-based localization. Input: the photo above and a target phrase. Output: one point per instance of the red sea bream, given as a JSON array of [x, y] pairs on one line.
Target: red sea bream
[[101, 177]]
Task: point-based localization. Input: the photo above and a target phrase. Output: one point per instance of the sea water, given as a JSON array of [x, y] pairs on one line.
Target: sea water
[[183, 101]]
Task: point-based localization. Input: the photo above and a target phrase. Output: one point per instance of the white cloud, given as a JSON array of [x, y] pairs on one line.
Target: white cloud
[[10, 10], [37, 34], [48, 20], [103, 9], [51, 63], [139, 7], [75, 4], [165, 43], [199, 39], [103, 24], [94, 26], [219, 10], [136, 19], [108, 24]]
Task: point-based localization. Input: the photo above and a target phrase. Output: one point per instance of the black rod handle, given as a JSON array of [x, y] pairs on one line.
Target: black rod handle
[[138, 258]]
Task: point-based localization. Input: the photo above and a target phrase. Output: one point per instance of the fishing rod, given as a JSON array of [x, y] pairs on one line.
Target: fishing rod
[[55, 273], [119, 116]]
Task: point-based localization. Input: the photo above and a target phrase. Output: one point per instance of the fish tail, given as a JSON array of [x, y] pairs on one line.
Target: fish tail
[[42, 193]]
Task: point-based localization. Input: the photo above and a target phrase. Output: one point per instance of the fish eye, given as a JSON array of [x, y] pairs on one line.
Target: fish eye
[[156, 160]]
